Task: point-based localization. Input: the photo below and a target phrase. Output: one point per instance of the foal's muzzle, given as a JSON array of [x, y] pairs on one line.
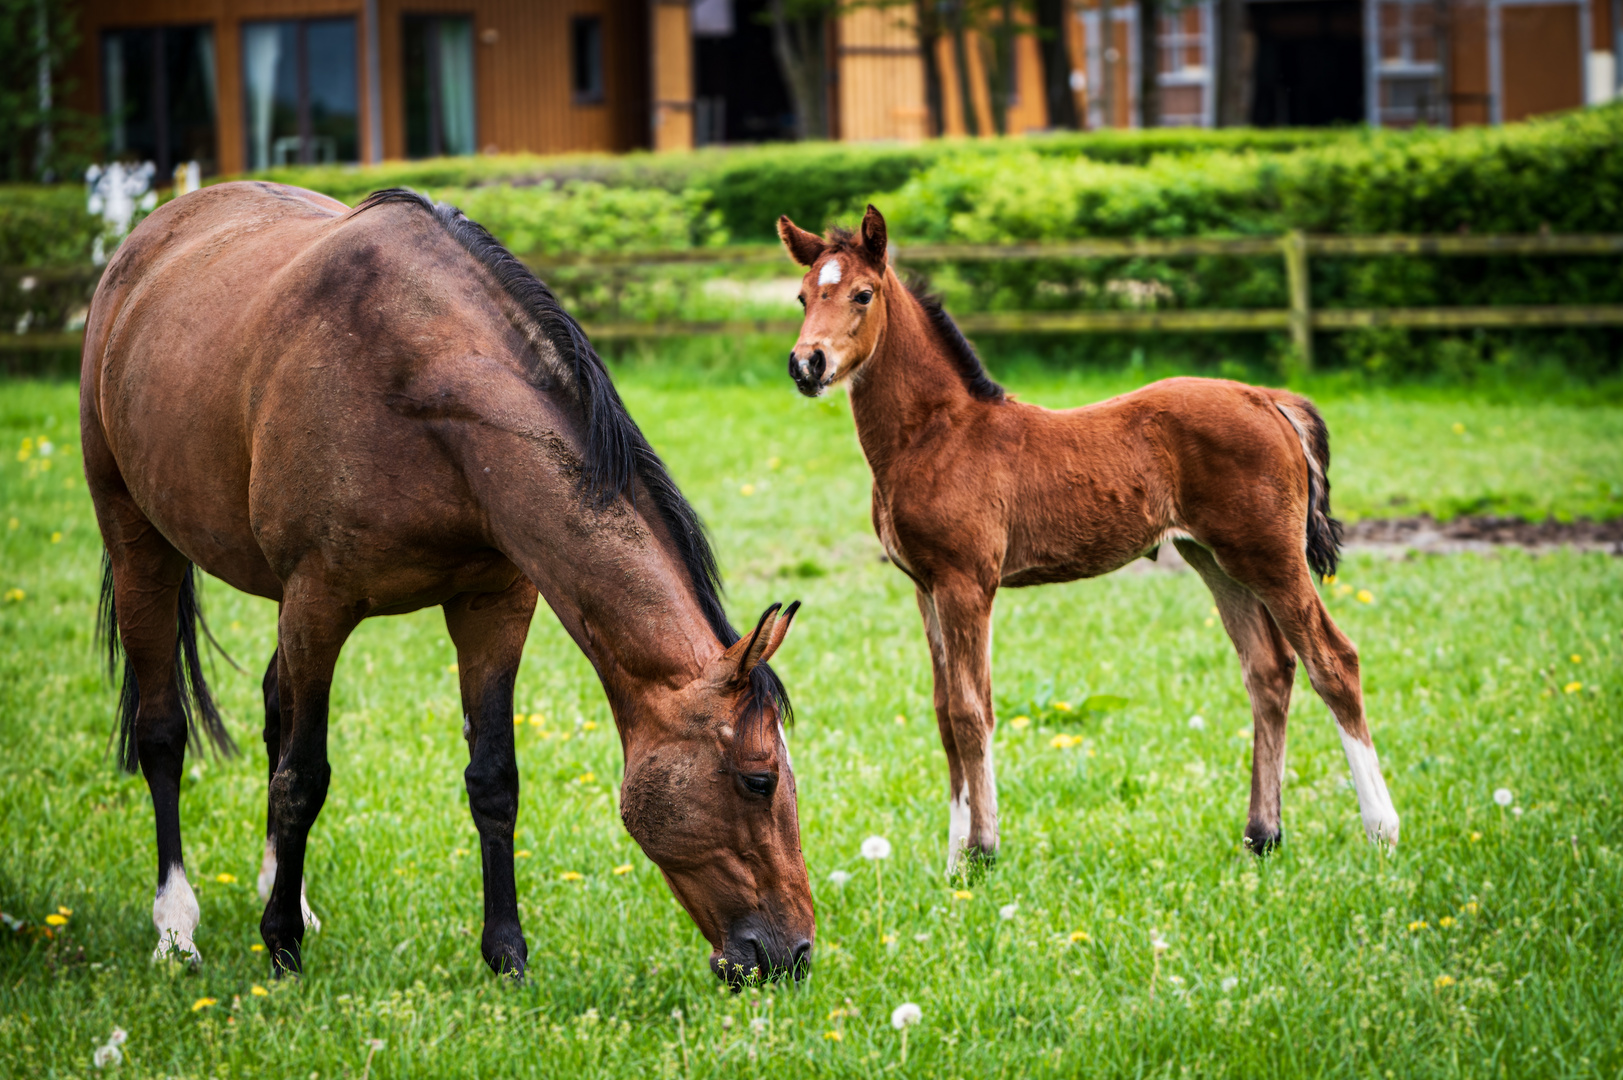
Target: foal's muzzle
[[809, 373]]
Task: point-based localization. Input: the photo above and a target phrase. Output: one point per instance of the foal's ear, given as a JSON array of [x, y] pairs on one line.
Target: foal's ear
[[757, 647], [873, 236], [804, 247]]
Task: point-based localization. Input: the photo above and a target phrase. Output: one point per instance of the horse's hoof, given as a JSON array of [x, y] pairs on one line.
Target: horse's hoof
[[1260, 840], [505, 951]]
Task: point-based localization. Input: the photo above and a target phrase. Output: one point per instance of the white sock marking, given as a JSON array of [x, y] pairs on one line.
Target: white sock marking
[[957, 829], [267, 881], [830, 274], [1380, 819], [175, 913]]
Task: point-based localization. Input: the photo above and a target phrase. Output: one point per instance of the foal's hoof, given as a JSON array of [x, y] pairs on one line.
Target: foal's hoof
[[972, 863], [505, 951], [1262, 841]]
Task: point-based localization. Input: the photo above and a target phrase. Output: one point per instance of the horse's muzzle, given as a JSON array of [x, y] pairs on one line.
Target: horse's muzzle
[[756, 951], [809, 373]]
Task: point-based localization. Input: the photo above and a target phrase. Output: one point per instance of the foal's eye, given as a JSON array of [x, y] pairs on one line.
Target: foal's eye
[[802, 300], [864, 296], [762, 784]]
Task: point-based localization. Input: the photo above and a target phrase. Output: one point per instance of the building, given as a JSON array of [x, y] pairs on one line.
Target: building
[[247, 84]]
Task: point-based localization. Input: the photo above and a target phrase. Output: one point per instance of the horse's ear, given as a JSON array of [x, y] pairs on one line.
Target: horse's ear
[[874, 243], [757, 647], [804, 247]]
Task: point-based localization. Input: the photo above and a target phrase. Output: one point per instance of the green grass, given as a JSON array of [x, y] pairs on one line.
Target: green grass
[[1135, 830]]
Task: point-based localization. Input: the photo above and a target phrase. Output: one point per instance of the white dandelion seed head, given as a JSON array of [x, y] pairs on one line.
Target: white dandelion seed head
[[118, 1037], [905, 1015], [676, 1014], [107, 1055], [374, 1045], [1229, 984], [839, 877], [726, 1023], [1157, 942], [921, 938], [1516, 810], [1503, 796], [758, 1024], [1197, 723], [1007, 912], [876, 847]]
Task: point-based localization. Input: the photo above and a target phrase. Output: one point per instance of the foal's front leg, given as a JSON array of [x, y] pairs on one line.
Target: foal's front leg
[[963, 611], [957, 798], [273, 755], [488, 630]]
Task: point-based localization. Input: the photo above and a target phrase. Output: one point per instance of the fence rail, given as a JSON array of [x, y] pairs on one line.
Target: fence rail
[[1299, 318]]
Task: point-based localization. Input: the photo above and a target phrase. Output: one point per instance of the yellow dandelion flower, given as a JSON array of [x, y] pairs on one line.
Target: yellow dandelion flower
[[1446, 921], [1417, 925], [15, 595], [623, 868], [1065, 742], [523, 853], [226, 879], [1573, 687], [1019, 723], [1092, 752], [1576, 659], [774, 462], [1344, 589], [887, 939], [256, 947], [586, 778], [962, 894], [64, 911], [537, 719], [1329, 579], [590, 725], [54, 919], [1365, 596], [1475, 836], [746, 489], [452, 669], [13, 523], [56, 538], [518, 718], [1211, 621], [833, 1036], [1062, 706], [1471, 907], [203, 1003], [563, 736], [1443, 981], [1459, 428], [901, 718], [258, 991], [1081, 936], [569, 875]]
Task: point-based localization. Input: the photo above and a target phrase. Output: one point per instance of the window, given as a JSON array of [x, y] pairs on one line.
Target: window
[[439, 86], [158, 95], [586, 58], [1408, 72], [300, 91], [1186, 73]]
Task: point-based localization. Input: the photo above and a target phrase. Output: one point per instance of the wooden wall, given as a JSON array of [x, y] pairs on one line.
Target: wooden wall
[[880, 78], [1029, 111]]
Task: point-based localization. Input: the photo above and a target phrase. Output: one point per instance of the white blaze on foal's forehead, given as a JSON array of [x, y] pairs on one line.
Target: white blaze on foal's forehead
[[830, 274]]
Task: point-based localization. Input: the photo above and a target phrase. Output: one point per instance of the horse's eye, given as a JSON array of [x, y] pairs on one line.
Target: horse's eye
[[802, 300], [864, 296], [762, 784]]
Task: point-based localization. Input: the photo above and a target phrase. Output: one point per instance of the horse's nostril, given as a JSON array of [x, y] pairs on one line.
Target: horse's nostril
[[817, 365], [802, 958]]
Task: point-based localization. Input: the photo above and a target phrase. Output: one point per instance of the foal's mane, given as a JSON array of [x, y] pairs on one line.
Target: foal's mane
[[617, 453], [959, 350]]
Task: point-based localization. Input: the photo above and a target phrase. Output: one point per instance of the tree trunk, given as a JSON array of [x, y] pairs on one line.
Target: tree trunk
[[1149, 63], [799, 45], [1231, 103], [928, 26], [997, 64], [960, 54], [1055, 44], [1107, 65]]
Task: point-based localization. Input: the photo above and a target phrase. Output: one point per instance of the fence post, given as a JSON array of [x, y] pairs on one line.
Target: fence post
[[1301, 312]]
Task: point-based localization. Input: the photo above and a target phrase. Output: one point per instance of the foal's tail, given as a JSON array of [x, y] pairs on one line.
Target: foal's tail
[[1323, 531], [202, 717]]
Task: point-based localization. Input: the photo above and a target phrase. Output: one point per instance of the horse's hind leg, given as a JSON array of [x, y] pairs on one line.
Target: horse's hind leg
[[273, 754], [311, 631], [1280, 578], [1268, 668], [488, 630], [957, 795]]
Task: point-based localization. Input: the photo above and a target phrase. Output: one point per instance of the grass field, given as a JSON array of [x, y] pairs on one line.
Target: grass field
[[1488, 945]]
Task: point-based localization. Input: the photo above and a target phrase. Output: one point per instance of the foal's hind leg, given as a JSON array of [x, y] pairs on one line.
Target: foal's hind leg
[[957, 796], [1268, 668], [1281, 579], [964, 679], [273, 754], [310, 632], [488, 630]]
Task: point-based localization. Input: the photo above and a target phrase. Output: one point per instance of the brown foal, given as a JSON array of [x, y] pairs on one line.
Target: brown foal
[[370, 411], [974, 490]]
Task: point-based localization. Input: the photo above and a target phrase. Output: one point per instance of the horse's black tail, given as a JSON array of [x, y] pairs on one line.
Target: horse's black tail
[[1323, 531], [202, 716]]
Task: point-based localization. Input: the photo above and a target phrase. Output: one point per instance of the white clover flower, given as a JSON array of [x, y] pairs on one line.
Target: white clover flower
[[107, 1055], [876, 847], [1229, 984], [905, 1015], [1007, 912], [1503, 796], [1197, 722], [839, 877]]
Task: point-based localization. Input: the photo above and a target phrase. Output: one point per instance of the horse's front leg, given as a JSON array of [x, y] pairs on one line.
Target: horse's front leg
[[963, 611], [311, 632], [488, 630], [273, 755]]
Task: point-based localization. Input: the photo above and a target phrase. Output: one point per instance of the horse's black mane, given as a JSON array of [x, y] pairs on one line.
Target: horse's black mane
[[961, 352], [617, 454]]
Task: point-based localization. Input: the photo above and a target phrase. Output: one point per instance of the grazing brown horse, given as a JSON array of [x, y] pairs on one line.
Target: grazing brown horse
[[365, 412], [974, 490]]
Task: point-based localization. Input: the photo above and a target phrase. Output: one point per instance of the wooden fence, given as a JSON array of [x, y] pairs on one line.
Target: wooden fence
[[1301, 319]]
